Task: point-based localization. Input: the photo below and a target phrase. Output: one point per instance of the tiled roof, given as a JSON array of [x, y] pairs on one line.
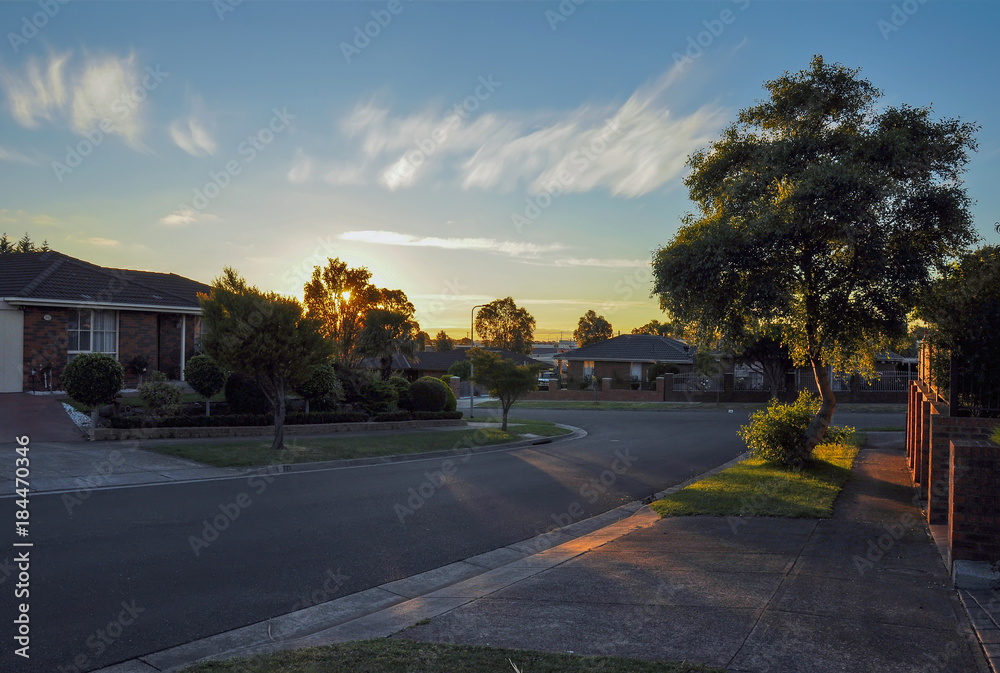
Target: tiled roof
[[53, 276], [441, 360], [633, 348]]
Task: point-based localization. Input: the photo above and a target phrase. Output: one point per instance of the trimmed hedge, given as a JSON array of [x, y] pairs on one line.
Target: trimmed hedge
[[235, 420], [389, 416], [437, 415], [428, 394]]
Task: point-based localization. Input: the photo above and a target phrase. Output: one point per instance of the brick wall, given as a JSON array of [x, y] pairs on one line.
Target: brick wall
[[137, 336], [974, 509], [169, 339], [45, 343]]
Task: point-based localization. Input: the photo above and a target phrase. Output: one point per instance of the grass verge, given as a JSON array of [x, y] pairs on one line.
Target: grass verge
[[404, 656], [755, 487], [525, 427], [251, 452]]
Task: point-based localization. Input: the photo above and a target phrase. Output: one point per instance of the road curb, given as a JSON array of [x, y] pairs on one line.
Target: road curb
[[391, 607]]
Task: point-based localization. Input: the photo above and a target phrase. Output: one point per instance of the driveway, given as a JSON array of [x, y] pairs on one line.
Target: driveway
[[40, 417]]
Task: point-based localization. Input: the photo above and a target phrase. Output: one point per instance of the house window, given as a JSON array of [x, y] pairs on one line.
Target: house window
[[635, 371], [588, 367], [92, 331]]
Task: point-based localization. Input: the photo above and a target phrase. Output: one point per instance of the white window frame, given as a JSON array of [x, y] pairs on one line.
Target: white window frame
[[80, 312]]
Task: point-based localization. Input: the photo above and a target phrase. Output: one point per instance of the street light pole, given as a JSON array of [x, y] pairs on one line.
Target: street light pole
[[472, 382]]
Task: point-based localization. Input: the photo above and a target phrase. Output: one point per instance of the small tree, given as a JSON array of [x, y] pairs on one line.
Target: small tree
[[264, 335], [591, 329], [93, 379], [206, 377], [443, 342], [503, 378], [322, 386]]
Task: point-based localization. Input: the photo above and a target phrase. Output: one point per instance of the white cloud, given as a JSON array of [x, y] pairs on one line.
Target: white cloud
[[513, 248], [192, 133], [628, 149], [301, 167], [182, 217], [103, 242], [101, 89], [607, 263]]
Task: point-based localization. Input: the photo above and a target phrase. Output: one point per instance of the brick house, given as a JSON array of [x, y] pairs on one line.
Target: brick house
[[54, 307], [626, 356]]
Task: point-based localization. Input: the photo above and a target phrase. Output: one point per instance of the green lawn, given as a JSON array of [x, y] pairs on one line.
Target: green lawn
[[404, 656], [305, 449], [758, 488], [525, 427]]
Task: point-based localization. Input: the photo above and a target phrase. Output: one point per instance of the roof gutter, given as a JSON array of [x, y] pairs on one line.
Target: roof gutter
[[22, 301]]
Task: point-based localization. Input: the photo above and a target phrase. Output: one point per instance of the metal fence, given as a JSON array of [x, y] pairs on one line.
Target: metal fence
[[752, 381], [699, 383], [887, 382], [969, 390]]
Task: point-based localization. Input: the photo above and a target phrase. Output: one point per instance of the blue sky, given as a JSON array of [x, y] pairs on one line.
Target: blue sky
[[248, 135]]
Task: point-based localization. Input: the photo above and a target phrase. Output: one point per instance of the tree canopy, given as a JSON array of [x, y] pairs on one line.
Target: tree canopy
[[263, 335], [821, 215], [592, 328], [340, 297], [443, 342], [657, 328], [502, 324], [386, 334]]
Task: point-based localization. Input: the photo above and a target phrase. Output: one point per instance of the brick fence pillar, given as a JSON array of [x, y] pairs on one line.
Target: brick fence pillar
[[924, 448], [661, 387], [974, 500], [938, 461], [605, 393], [455, 383]]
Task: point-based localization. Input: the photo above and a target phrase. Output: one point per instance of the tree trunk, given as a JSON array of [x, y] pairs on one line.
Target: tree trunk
[[208, 407], [279, 421], [307, 405], [816, 430], [506, 408]]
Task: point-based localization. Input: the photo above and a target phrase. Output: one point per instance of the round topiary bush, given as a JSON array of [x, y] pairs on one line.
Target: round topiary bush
[[428, 394], [778, 433], [378, 397], [322, 390], [93, 379], [206, 377], [402, 387], [452, 403], [245, 396]]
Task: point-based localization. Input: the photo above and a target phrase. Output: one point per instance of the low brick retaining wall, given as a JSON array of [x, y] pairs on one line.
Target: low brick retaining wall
[[974, 500], [115, 434]]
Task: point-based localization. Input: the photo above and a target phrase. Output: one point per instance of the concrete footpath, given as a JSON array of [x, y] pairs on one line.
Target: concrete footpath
[[863, 592]]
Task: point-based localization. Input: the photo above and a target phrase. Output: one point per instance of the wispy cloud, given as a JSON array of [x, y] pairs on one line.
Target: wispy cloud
[[513, 248], [192, 134], [183, 217], [14, 156], [608, 263], [103, 242], [96, 91], [628, 149]]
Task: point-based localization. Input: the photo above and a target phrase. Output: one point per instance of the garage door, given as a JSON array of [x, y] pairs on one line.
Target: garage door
[[11, 350]]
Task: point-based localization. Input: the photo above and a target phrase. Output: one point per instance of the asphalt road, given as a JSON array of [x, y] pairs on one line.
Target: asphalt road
[[135, 570]]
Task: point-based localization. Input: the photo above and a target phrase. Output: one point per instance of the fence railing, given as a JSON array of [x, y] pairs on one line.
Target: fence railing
[[887, 382], [632, 385], [699, 383], [969, 390], [755, 382]]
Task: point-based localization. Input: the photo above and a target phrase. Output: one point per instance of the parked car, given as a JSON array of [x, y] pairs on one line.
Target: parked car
[[545, 378]]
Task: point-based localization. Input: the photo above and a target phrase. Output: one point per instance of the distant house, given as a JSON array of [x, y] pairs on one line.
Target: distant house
[[626, 356], [54, 307]]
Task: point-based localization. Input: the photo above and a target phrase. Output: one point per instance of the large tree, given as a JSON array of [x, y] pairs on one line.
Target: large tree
[[591, 328], [819, 214], [385, 335], [502, 324], [264, 336], [25, 244], [767, 356], [503, 378], [340, 297]]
